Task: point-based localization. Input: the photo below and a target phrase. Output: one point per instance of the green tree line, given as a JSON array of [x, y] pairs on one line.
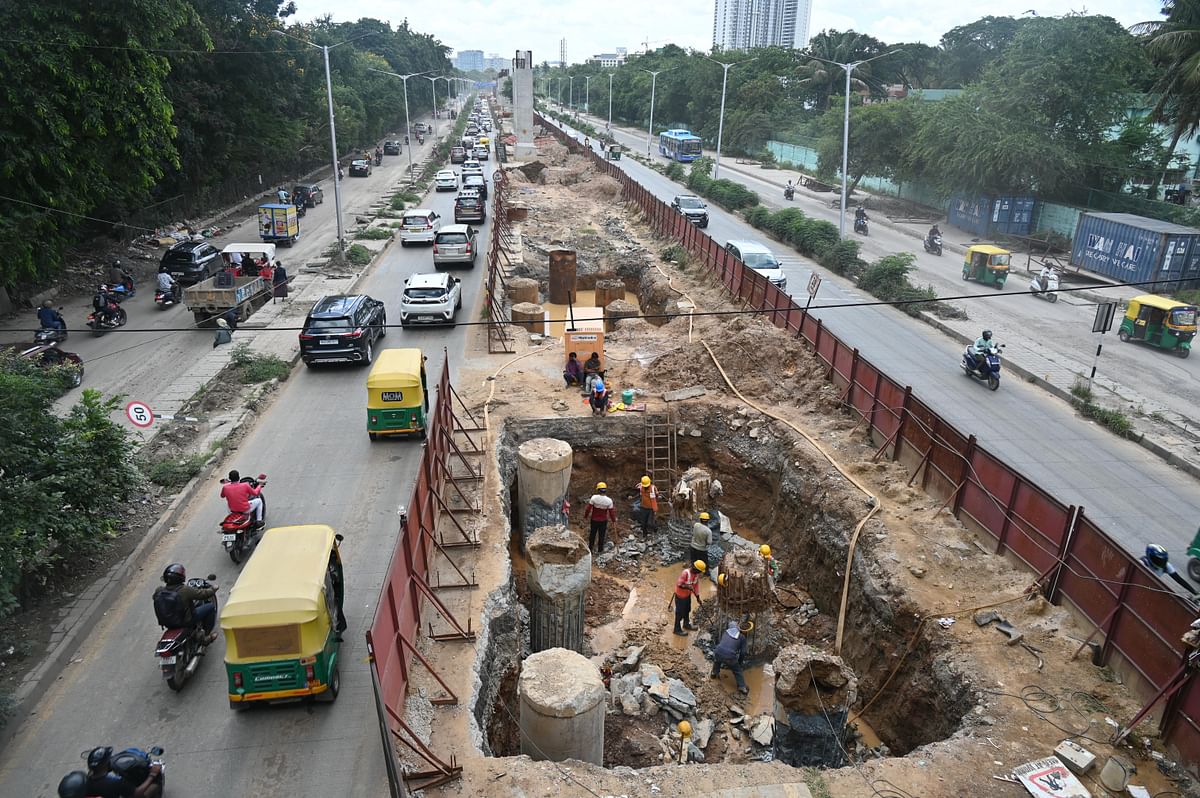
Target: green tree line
[[113, 106]]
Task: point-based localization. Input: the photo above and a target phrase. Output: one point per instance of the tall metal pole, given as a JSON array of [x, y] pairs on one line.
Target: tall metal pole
[[610, 78], [337, 182], [650, 128], [407, 127], [721, 121], [845, 151], [587, 94], [571, 91], [433, 85]]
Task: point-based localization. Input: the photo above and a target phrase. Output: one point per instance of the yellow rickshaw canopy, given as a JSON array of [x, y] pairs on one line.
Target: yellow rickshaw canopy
[[988, 249], [1160, 302], [396, 368], [283, 581]]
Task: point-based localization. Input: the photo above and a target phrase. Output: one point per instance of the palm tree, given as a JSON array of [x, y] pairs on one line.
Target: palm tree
[[1174, 44], [822, 78]]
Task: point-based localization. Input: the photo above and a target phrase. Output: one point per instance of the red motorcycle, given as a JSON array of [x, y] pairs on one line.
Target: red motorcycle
[[180, 648], [239, 532]]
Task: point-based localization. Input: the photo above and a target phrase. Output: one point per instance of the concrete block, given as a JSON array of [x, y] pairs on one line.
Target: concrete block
[[562, 707], [692, 392]]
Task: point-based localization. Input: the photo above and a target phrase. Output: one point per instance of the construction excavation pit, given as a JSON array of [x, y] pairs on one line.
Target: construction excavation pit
[[583, 660]]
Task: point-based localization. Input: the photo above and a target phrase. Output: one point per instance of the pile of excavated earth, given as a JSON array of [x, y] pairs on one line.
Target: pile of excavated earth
[[939, 674]]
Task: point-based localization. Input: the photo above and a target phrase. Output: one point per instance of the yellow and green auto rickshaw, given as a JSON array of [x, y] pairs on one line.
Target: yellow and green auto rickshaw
[[986, 264], [397, 394], [1161, 322], [283, 619]]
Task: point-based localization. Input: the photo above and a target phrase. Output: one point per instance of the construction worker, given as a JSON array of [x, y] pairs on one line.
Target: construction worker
[[599, 511], [701, 539], [648, 505], [772, 563], [686, 586], [730, 653]]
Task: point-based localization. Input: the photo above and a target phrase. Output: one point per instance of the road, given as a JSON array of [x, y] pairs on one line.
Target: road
[[1132, 494], [1058, 333], [322, 468], [144, 363]]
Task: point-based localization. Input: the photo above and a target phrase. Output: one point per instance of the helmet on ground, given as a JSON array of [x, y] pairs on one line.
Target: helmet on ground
[[685, 728], [764, 550], [98, 758], [645, 482], [700, 566], [601, 486], [705, 516], [987, 335], [1157, 555], [174, 574], [73, 785]]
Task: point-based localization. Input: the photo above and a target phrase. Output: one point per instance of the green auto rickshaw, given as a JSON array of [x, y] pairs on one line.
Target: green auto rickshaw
[[986, 264], [1161, 322]]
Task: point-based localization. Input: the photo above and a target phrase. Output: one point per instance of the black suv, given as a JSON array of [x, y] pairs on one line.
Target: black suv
[[391, 148], [308, 195], [189, 262], [343, 328]]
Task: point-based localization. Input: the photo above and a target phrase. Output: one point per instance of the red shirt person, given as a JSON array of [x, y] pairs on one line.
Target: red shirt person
[[242, 497]]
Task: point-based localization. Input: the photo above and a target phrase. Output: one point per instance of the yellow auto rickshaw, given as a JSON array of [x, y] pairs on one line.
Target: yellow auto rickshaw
[[397, 394], [986, 264], [1161, 322], [283, 619]]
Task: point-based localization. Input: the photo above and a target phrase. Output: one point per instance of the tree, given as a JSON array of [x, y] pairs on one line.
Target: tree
[[968, 50], [878, 137], [1174, 44], [821, 75]]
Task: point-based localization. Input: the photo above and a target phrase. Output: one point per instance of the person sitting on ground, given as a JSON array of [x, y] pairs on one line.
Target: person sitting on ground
[[599, 398], [591, 371], [573, 373]]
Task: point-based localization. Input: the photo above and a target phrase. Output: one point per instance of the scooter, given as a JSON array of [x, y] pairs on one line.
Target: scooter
[[1047, 288], [179, 649], [788, 193], [239, 532], [124, 290], [165, 299], [51, 335], [133, 766], [933, 244], [860, 225], [987, 368], [115, 318]]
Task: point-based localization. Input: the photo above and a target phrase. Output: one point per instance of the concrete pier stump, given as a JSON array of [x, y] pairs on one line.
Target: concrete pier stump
[[562, 710], [609, 291], [560, 570], [562, 277], [543, 478], [813, 695], [746, 595], [615, 311], [522, 289], [529, 316]]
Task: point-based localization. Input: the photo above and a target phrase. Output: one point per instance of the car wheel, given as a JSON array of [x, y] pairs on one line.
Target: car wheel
[[403, 243], [1124, 336], [382, 326], [458, 304], [368, 354]]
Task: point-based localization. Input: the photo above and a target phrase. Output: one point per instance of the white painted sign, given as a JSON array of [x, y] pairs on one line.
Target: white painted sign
[[140, 414], [1049, 778]]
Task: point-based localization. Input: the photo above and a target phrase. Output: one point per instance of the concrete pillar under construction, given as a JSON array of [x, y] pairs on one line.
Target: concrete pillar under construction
[[745, 593], [689, 497], [814, 691], [563, 703], [561, 290], [543, 479], [560, 570], [522, 118]]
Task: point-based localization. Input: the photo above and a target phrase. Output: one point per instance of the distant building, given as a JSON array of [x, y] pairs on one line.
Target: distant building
[[745, 24], [610, 59], [468, 60], [497, 62]]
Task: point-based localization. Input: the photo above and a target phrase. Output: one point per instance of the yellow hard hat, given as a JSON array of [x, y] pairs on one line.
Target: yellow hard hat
[[645, 482], [601, 486], [705, 516], [685, 728], [764, 550], [722, 579], [700, 566]]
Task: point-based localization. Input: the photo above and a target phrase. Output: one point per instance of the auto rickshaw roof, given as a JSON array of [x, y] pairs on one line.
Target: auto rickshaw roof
[[257, 248], [396, 367], [282, 582], [988, 249], [1160, 302]]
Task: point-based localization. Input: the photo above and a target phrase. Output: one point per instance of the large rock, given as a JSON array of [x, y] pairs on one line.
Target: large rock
[[811, 681]]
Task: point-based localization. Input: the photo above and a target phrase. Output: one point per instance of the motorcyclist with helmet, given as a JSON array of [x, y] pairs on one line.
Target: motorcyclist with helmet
[[103, 303], [1158, 561], [118, 276], [102, 782], [196, 600], [980, 348]]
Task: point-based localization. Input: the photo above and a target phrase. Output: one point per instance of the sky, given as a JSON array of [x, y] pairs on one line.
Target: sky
[[591, 26]]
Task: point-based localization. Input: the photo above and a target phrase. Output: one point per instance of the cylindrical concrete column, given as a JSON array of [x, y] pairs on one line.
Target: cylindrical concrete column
[[615, 311], [529, 316], [521, 289], [813, 695], [562, 707], [562, 276], [609, 291], [746, 594], [560, 570], [517, 213], [543, 478]]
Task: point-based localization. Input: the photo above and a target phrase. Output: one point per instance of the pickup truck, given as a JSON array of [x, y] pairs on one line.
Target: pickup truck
[[217, 295]]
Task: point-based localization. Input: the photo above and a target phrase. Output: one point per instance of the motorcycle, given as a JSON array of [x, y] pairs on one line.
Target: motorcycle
[[379, 159], [933, 244], [165, 299], [420, 140], [1045, 288], [788, 193], [124, 289], [179, 649], [114, 318], [986, 367], [860, 225], [239, 532], [51, 335]]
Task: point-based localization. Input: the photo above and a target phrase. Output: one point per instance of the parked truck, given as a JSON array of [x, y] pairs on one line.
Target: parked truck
[[279, 224]]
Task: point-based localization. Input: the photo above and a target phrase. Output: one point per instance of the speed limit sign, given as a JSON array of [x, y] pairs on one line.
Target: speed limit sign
[[139, 413]]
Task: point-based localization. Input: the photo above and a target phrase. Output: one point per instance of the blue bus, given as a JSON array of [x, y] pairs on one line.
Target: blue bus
[[679, 145]]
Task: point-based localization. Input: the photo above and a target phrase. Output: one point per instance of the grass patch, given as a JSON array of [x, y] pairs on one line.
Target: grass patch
[[358, 255], [375, 233], [814, 779], [254, 367], [674, 252], [1114, 420], [407, 196], [173, 473]]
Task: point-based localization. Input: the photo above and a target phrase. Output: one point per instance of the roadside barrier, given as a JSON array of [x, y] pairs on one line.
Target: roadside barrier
[[1140, 619]]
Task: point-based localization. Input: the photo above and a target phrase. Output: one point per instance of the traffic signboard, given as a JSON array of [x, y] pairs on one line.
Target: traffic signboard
[[814, 283], [140, 414]]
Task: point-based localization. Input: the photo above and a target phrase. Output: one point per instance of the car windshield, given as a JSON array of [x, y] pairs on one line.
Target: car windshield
[[690, 202], [328, 326], [474, 180], [445, 175], [452, 238], [359, 163], [425, 293], [467, 202], [760, 260], [416, 221]]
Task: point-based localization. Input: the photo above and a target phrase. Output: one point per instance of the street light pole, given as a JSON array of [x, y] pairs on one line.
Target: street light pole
[[571, 91], [650, 128], [407, 124], [610, 78], [721, 119], [433, 84], [587, 94]]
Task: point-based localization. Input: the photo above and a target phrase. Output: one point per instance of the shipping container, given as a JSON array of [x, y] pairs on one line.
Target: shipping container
[[988, 215], [1163, 256]]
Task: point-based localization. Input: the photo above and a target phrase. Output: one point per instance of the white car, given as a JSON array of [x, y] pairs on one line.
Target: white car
[[430, 299], [420, 225], [471, 167], [445, 180]]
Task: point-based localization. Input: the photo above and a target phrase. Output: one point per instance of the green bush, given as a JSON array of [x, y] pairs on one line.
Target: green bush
[[374, 234], [780, 223], [254, 367], [758, 216], [842, 258], [674, 252], [175, 473], [397, 203], [813, 236], [887, 279], [358, 255], [674, 171]]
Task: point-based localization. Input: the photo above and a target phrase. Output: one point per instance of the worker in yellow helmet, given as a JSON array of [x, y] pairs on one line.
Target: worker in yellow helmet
[[702, 538], [599, 511], [772, 563], [647, 506], [686, 586]]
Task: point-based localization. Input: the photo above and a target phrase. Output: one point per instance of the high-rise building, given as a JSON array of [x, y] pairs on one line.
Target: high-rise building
[[468, 60], [743, 24], [610, 59]]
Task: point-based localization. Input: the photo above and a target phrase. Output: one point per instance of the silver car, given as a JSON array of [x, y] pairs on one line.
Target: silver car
[[455, 243], [419, 224]]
